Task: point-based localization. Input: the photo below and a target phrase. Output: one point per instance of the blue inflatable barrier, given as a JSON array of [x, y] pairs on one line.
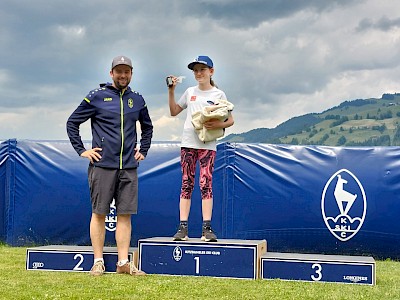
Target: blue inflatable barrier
[[3, 176], [305, 199], [286, 195]]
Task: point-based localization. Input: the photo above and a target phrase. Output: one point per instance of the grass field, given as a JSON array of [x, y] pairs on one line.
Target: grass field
[[17, 283]]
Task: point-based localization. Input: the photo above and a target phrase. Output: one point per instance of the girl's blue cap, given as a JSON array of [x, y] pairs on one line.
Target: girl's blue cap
[[202, 59]]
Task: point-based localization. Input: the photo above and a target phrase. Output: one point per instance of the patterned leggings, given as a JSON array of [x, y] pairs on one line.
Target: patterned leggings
[[189, 158]]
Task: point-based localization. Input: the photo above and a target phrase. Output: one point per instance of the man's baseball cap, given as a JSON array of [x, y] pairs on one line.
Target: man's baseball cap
[[202, 59], [121, 60]]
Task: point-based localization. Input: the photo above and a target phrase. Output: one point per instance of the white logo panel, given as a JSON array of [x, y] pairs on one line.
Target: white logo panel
[[343, 205], [177, 253]]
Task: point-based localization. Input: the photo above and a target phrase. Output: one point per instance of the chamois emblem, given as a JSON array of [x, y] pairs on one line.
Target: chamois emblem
[[343, 205]]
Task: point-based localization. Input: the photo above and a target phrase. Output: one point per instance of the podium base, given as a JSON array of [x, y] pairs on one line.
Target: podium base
[[315, 267], [225, 258], [71, 258]]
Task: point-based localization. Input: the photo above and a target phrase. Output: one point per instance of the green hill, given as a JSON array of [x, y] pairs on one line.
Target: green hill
[[360, 122]]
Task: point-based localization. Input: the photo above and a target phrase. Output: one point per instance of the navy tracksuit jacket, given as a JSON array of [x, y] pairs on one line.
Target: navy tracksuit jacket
[[113, 120]]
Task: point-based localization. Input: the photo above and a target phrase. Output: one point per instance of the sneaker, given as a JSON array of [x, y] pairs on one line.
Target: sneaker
[[97, 269], [181, 234], [129, 268], [208, 235]]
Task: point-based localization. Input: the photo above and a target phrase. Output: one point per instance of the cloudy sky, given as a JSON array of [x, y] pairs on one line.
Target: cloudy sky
[[275, 59]]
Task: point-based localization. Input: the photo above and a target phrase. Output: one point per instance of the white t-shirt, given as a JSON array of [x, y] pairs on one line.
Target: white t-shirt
[[194, 100]]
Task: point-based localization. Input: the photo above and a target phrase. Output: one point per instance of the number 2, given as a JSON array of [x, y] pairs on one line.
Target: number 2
[[77, 266]]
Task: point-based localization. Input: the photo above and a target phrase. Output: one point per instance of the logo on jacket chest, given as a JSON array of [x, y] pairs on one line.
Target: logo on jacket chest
[[130, 102]]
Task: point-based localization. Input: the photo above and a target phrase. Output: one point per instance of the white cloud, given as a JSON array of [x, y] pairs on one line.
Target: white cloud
[[5, 78], [167, 128], [72, 33], [35, 123]]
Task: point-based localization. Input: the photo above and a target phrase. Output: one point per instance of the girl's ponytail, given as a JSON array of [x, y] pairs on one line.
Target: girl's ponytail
[[213, 83]]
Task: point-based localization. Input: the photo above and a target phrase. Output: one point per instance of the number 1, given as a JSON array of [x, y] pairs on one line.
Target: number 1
[[197, 259]]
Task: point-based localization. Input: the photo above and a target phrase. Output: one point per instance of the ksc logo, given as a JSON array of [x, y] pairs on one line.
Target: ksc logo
[[111, 218], [177, 253], [343, 205]]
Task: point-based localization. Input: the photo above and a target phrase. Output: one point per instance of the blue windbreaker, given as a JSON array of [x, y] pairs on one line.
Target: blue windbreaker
[[113, 122]]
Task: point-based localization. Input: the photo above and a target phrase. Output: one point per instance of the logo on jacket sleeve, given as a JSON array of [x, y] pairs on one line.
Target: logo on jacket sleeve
[[343, 205]]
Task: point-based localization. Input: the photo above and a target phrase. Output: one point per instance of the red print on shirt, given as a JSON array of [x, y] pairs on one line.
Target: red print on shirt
[[193, 98]]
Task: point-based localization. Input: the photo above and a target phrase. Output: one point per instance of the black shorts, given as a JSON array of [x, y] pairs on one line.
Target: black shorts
[[108, 184]]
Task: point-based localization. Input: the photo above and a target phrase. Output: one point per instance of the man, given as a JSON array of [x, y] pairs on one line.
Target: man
[[114, 110]]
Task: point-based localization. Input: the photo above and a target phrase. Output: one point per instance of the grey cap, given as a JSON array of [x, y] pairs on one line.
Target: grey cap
[[121, 60]]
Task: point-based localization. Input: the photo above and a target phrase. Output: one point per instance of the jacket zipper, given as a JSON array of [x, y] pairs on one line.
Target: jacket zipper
[[122, 128]]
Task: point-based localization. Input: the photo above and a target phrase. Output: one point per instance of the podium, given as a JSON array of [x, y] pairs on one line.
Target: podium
[[243, 259], [225, 258], [71, 258], [314, 267]]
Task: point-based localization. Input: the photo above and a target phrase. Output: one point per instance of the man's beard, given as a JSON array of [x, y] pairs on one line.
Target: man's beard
[[119, 86]]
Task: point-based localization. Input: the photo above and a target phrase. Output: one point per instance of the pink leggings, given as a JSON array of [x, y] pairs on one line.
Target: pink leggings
[[189, 158]]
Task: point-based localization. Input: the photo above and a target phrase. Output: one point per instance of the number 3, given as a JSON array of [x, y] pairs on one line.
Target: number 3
[[317, 271]]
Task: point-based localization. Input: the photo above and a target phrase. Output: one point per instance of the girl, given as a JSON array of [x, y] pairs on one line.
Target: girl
[[192, 148]]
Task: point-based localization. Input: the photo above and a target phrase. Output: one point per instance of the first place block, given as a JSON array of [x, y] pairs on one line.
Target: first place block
[[71, 258], [225, 258]]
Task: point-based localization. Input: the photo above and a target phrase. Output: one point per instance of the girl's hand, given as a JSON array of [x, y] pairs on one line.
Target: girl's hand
[[213, 124], [174, 81]]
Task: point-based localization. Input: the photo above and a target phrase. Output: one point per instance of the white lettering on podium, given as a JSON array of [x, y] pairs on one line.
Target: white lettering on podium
[[355, 278], [37, 264], [202, 252]]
